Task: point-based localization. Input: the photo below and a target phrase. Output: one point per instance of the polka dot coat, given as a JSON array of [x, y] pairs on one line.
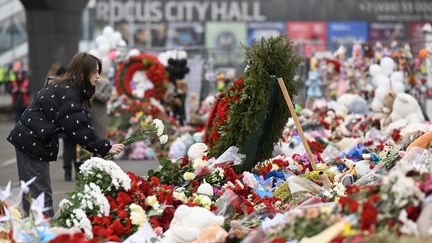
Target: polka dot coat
[[53, 110]]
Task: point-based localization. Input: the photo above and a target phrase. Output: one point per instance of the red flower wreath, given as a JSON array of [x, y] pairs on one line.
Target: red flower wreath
[[219, 112], [155, 72]]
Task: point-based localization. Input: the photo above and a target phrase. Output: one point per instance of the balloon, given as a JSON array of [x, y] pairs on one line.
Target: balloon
[[374, 70], [117, 36], [108, 31], [380, 93], [106, 63], [133, 52], [112, 54], [397, 77], [423, 53], [101, 40], [121, 43], [387, 65], [95, 53], [104, 49], [376, 105], [381, 81], [398, 87]]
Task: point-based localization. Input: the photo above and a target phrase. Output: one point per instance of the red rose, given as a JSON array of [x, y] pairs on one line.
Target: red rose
[[374, 198], [123, 214], [351, 203], [413, 212], [352, 189]]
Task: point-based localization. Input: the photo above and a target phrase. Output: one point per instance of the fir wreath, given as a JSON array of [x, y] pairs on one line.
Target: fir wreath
[[155, 72], [259, 110]]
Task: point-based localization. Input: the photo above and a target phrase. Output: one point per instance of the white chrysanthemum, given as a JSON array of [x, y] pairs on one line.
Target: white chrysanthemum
[[199, 163], [409, 227], [181, 196], [152, 201], [188, 176], [137, 215], [83, 222], [119, 179], [163, 139], [159, 126], [403, 188], [64, 203], [92, 197]]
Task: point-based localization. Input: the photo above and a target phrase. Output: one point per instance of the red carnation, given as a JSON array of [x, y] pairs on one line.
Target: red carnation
[[76, 238], [117, 227], [154, 180], [99, 231], [114, 238], [123, 214]]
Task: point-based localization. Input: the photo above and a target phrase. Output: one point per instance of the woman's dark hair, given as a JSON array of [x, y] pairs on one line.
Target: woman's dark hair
[[78, 73]]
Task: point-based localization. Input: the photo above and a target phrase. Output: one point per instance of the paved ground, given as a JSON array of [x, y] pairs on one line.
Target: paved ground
[[8, 167]]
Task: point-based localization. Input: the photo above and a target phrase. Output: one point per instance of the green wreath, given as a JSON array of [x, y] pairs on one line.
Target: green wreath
[[257, 118]]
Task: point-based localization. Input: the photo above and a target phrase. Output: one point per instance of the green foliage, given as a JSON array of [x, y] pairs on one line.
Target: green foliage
[[273, 56]]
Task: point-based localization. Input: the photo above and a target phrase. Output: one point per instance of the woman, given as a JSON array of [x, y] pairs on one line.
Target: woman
[[60, 107]]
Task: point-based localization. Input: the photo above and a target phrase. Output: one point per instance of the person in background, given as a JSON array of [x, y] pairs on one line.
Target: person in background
[[2, 80], [59, 107], [20, 93], [9, 78], [99, 110]]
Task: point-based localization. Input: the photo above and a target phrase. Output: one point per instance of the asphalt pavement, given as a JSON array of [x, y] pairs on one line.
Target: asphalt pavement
[[8, 166]]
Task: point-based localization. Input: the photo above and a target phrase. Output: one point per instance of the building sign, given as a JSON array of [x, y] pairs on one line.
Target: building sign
[[178, 11], [262, 10]]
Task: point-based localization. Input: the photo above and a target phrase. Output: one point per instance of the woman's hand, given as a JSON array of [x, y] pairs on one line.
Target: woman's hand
[[116, 148]]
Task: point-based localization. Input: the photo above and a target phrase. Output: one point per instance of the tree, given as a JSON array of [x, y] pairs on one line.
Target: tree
[[54, 31]]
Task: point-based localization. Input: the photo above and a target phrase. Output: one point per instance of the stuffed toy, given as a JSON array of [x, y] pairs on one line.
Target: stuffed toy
[[423, 141], [139, 150], [212, 234], [402, 106], [354, 103], [188, 222]]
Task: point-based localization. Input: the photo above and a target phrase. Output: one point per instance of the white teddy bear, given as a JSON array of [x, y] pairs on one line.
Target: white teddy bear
[[188, 223]]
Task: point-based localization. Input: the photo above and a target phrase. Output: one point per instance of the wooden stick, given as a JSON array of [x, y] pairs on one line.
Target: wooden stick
[[297, 122]]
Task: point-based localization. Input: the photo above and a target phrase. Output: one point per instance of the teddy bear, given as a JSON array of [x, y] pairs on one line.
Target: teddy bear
[[188, 222], [212, 234], [139, 151], [401, 106]]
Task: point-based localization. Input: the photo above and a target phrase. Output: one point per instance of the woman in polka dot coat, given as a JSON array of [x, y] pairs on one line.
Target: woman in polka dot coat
[[59, 107]]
